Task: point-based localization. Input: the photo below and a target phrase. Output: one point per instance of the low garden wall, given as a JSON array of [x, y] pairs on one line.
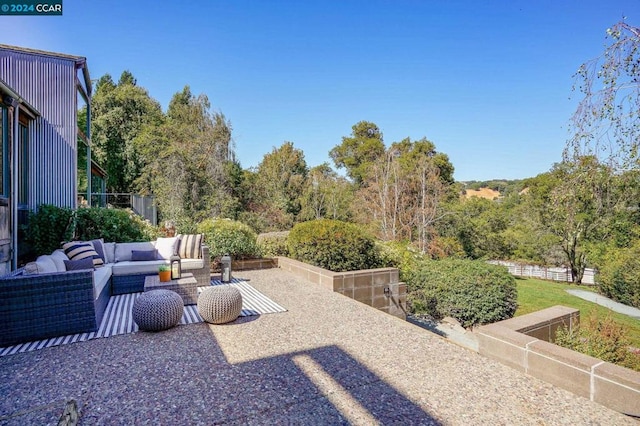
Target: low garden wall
[[524, 344], [380, 288], [252, 264]]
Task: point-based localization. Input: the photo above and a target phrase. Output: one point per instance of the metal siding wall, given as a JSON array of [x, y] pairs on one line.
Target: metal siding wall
[[48, 84]]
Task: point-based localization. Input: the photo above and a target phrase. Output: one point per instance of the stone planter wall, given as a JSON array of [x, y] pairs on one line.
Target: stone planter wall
[[366, 286], [250, 264], [523, 343]]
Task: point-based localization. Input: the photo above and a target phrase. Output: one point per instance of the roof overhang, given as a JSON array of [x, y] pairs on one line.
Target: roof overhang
[[80, 62], [25, 106]]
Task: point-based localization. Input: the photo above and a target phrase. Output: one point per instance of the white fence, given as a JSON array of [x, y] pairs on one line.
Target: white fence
[[545, 272]]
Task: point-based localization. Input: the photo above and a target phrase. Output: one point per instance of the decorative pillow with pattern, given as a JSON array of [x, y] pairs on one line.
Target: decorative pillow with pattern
[[76, 250], [189, 247]]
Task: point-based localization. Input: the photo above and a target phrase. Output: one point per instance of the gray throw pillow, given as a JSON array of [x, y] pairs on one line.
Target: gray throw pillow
[[142, 255], [80, 264], [98, 246]]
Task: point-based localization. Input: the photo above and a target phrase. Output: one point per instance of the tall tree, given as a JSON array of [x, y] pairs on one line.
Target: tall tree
[[326, 195], [187, 161], [577, 207], [359, 151], [607, 121], [280, 181], [402, 192], [120, 112]]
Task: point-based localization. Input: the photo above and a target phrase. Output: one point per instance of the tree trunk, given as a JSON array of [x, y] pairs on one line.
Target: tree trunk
[[576, 261]]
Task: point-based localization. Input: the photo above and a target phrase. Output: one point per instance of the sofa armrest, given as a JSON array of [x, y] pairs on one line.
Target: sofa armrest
[[206, 257], [34, 307]]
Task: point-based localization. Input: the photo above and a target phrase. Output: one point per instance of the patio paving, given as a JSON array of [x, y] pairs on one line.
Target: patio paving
[[327, 360]]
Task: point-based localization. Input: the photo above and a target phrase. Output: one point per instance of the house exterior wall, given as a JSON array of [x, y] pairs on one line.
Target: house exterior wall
[[45, 86], [49, 84]]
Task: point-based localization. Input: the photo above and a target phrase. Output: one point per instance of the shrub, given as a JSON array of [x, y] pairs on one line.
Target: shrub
[[333, 244], [229, 237], [473, 292], [401, 255], [619, 276], [273, 244], [48, 228], [121, 225], [604, 339]]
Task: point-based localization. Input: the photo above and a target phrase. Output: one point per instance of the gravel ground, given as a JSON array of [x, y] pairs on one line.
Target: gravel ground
[[328, 360]]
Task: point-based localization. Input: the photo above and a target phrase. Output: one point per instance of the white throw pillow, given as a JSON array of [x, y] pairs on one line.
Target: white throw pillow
[[46, 264], [166, 247], [58, 258]]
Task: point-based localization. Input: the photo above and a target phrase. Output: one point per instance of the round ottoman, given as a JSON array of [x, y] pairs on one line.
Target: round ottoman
[[157, 310], [219, 304]]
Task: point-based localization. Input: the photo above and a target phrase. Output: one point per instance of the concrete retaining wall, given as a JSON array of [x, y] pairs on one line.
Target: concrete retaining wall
[[379, 288], [523, 343]]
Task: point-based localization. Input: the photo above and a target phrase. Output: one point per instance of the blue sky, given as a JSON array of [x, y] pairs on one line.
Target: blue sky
[[489, 82]]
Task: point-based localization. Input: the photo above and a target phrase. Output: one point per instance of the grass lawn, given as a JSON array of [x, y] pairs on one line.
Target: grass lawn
[[534, 295]]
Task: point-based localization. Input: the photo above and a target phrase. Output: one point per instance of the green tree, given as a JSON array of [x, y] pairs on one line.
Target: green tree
[[359, 151], [326, 195], [480, 226], [579, 207], [187, 161], [120, 112], [279, 184]]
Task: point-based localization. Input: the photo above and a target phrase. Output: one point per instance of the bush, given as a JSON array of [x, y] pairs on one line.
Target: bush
[[401, 255], [273, 244], [619, 276], [48, 228], [229, 237], [604, 339], [51, 225], [473, 292], [113, 225], [334, 245]]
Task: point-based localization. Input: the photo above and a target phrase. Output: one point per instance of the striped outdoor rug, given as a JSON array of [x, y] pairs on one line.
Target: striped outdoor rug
[[118, 319]]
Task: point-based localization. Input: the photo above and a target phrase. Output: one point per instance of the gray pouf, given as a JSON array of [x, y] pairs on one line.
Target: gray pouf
[[157, 310], [219, 304]]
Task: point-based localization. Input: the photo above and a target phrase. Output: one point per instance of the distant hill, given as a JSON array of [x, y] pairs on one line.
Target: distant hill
[[503, 186], [488, 193], [492, 189]]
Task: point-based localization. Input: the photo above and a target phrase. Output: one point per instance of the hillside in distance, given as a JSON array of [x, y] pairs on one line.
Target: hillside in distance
[[492, 189]]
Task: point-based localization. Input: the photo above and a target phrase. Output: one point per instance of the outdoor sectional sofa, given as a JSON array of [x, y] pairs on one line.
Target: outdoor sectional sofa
[[44, 299]]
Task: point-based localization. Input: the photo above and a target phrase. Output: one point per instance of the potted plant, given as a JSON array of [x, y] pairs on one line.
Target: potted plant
[[164, 271]]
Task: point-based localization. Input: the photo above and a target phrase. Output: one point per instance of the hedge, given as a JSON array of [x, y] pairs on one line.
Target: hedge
[[229, 237], [333, 244], [473, 292]]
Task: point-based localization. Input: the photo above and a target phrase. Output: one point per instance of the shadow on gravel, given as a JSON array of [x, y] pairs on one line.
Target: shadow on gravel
[[426, 323]]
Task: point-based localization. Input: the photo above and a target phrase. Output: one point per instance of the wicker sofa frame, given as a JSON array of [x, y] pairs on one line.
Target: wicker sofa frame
[[41, 306], [35, 307]]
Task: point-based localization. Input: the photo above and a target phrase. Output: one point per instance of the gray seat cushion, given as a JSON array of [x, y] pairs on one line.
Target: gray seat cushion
[[136, 268]]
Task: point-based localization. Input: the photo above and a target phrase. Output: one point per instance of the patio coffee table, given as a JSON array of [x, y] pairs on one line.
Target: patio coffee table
[[186, 286]]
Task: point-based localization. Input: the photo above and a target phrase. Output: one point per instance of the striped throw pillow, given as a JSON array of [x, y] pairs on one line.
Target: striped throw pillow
[[189, 247], [76, 250]]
